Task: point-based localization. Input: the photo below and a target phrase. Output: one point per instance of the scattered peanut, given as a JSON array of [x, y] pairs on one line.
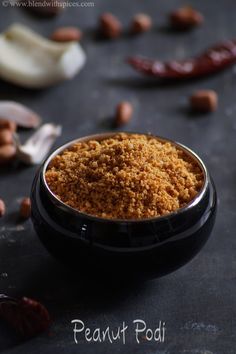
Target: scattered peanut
[[7, 153], [7, 124], [6, 137], [124, 112], [110, 26], [185, 18], [25, 208], [141, 23], [2, 208], [40, 8], [204, 101], [66, 34]]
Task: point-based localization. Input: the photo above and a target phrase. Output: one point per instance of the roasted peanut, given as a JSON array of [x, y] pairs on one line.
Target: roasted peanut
[[7, 124], [2, 208], [6, 137], [25, 208], [7, 153], [141, 23], [44, 9], [66, 34], [110, 26], [124, 112], [204, 101], [185, 18]]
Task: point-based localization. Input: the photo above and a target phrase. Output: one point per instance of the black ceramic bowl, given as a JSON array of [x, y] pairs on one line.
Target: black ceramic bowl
[[144, 248]]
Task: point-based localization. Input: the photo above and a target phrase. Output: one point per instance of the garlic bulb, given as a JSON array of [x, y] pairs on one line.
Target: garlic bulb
[[30, 60]]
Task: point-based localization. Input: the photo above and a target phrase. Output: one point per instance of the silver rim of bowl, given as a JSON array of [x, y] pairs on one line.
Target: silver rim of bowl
[[102, 136]]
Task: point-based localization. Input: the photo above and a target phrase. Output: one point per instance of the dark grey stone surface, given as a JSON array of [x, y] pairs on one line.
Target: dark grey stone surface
[[198, 302]]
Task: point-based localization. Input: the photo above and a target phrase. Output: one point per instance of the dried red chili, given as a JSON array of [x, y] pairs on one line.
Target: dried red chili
[[211, 61], [28, 317]]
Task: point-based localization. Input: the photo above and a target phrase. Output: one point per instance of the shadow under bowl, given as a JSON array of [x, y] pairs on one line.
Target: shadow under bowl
[[144, 248]]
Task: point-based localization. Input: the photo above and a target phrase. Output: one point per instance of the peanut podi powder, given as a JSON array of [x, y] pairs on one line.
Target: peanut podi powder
[[126, 176]]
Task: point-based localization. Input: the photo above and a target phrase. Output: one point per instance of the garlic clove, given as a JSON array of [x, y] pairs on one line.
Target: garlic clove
[[38, 145], [30, 60], [20, 114]]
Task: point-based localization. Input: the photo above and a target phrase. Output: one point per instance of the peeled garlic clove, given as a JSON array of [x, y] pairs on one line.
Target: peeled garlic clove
[[21, 115], [38, 145], [30, 60]]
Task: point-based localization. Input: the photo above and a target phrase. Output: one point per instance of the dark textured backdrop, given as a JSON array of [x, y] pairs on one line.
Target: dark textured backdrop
[[198, 302]]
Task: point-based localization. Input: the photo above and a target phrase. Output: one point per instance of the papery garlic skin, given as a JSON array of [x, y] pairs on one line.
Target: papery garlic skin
[[37, 147], [30, 60], [19, 114]]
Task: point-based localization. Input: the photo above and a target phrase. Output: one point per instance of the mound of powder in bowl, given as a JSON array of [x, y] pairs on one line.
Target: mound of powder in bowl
[[126, 176]]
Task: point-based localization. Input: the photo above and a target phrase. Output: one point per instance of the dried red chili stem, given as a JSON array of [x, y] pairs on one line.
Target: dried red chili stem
[[211, 61]]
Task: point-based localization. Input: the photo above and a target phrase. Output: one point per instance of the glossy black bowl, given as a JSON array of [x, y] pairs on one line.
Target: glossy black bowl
[[143, 248]]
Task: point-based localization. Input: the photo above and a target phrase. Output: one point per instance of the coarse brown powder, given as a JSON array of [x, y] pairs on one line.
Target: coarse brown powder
[[126, 176]]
